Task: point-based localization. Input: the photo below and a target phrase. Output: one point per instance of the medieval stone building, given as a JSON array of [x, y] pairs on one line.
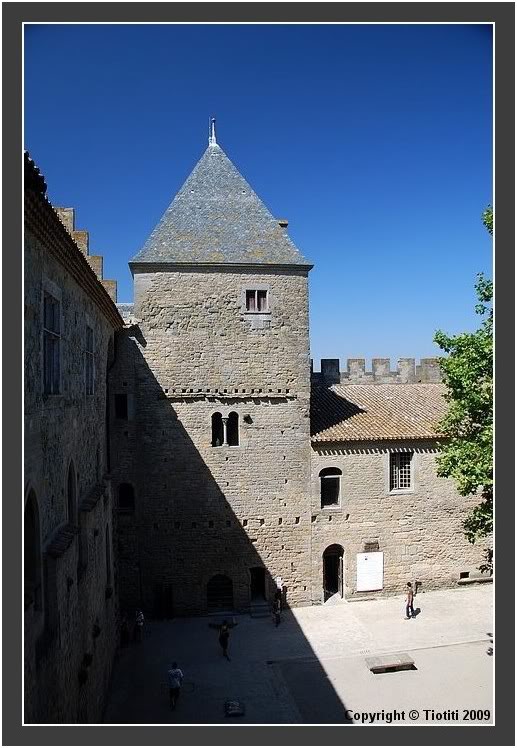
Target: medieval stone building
[[233, 466], [70, 615], [223, 487]]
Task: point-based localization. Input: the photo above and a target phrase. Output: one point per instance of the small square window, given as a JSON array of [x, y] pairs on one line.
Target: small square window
[[257, 301], [400, 471]]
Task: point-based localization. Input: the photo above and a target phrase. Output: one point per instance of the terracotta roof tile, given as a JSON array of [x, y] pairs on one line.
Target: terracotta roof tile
[[376, 412]]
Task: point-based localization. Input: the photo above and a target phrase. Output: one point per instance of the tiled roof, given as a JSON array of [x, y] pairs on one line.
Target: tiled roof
[[216, 218], [376, 412]]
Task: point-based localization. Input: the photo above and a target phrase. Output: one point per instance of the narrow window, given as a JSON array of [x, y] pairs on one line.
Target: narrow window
[[71, 491], [89, 362], [400, 471], [233, 430], [256, 301], [32, 554], [126, 497], [330, 484], [121, 407], [51, 344], [108, 556], [217, 430]]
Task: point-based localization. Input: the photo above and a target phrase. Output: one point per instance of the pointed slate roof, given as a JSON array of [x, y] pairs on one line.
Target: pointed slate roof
[[216, 218]]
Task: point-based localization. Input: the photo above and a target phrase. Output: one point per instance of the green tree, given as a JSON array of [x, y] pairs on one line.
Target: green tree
[[467, 455]]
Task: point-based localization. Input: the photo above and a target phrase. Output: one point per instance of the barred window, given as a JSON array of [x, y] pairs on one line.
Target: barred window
[[400, 470], [89, 362], [256, 301], [51, 344]]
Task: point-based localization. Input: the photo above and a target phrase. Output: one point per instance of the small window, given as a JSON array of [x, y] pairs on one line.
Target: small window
[[51, 345], [217, 430], [233, 430], [89, 362], [257, 301], [400, 471], [126, 497], [330, 480], [121, 407]]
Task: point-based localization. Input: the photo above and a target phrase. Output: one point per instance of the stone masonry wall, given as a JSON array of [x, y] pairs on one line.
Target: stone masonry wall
[[419, 531], [58, 429], [203, 510]]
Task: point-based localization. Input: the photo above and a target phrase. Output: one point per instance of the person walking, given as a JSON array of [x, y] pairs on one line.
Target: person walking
[[174, 679], [409, 602], [224, 636]]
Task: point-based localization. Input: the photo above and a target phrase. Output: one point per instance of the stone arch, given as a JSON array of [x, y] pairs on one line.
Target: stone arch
[[219, 593], [217, 430], [32, 564], [333, 571]]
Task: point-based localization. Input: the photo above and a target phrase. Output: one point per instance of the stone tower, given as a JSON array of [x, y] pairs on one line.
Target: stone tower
[[211, 434]]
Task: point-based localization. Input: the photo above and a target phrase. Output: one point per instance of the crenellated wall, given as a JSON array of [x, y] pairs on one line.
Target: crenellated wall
[[408, 371], [82, 239]]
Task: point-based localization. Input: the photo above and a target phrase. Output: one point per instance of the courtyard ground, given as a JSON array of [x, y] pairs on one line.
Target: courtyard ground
[[312, 669]]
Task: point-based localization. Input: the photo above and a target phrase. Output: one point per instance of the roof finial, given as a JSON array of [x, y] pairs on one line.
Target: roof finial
[[211, 136]]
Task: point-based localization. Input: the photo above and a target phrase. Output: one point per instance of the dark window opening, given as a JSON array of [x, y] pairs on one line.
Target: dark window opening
[[233, 430], [126, 497], [330, 480], [71, 490], [32, 554], [121, 407], [256, 301], [217, 430]]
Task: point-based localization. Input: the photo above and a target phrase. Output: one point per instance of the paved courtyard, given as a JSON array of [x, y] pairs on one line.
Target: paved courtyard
[[312, 669]]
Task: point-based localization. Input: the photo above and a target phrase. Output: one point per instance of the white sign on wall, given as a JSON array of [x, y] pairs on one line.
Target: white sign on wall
[[370, 571]]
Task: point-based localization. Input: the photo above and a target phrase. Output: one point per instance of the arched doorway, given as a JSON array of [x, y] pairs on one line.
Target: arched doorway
[[219, 593], [332, 571], [32, 553]]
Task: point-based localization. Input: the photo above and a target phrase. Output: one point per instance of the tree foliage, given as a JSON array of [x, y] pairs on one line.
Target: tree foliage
[[467, 455]]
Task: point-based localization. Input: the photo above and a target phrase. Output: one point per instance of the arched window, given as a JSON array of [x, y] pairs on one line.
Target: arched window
[[233, 430], [108, 556], [330, 482], [32, 553], [219, 593], [217, 430], [126, 497], [71, 494]]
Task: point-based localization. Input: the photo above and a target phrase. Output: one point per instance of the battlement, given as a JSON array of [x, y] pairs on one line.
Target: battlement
[[82, 239], [408, 371]]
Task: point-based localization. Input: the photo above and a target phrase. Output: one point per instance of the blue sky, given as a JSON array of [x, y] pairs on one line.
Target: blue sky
[[374, 141]]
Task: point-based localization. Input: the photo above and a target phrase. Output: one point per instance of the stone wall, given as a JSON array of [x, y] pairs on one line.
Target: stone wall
[[406, 372], [419, 530], [76, 615], [202, 510]]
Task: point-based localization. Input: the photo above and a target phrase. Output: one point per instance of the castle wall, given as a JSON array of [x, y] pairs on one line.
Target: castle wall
[[202, 510], [419, 531], [59, 428]]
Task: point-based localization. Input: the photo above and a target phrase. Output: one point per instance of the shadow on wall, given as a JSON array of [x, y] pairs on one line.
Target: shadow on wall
[[181, 548]]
